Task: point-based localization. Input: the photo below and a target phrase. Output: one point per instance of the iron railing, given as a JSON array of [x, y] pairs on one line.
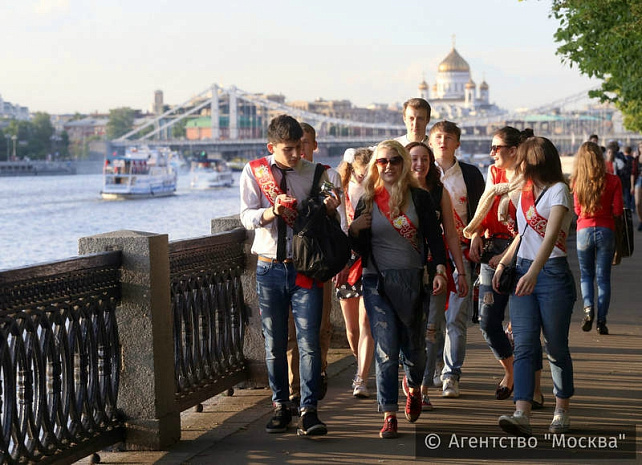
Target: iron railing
[[209, 315], [59, 359]]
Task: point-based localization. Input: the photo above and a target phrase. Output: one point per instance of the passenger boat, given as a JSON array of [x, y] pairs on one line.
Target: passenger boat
[[207, 173], [142, 172]]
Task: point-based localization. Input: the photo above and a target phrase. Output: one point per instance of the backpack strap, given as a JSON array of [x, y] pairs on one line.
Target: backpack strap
[[318, 172]]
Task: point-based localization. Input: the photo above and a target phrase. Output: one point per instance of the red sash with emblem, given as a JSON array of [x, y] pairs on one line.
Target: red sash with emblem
[[268, 185], [537, 221], [401, 223]]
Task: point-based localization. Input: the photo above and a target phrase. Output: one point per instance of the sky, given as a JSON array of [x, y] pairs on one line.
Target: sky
[[67, 56]]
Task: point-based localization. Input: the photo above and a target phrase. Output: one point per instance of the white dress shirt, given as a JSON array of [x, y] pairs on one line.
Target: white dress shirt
[[254, 203]]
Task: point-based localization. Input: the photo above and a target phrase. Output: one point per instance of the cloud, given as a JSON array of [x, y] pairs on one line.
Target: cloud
[[49, 7]]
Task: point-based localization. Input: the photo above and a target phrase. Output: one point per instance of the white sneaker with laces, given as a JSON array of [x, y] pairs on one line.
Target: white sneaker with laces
[[450, 388], [517, 424], [360, 388], [561, 422]]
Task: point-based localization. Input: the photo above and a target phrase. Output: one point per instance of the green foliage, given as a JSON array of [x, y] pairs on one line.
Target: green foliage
[[121, 121], [178, 129], [603, 38]]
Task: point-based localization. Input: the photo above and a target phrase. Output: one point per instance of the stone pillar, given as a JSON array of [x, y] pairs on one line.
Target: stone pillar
[[145, 322]]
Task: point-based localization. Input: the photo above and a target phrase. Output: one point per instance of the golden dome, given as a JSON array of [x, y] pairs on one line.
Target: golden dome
[[483, 86], [454, 62], [423, 85], [470, 84]]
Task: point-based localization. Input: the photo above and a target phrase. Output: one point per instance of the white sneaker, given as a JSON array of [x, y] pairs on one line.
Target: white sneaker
[[517, 424], [450, 388], [561, 422], [436, 380], [360, 388]]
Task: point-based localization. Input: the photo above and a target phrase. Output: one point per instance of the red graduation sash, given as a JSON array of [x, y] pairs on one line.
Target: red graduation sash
[[401, 223], [268, 185], [537, 221]]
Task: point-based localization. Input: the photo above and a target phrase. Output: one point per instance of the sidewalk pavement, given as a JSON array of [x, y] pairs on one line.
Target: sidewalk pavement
[[608, 394]]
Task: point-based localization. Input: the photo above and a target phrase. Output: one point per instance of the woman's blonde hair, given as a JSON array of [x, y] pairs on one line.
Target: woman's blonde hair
[[589, 177], [400, 192]]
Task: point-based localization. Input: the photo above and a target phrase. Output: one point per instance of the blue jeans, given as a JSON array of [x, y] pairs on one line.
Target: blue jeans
[[277, 291], [492, 306], [457, 318], [547, 309], [390, 337], [595, 249], [435, 328]]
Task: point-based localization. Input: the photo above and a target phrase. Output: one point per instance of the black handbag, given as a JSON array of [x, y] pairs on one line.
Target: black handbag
[[624, 243], [508, 278], [320, 248]]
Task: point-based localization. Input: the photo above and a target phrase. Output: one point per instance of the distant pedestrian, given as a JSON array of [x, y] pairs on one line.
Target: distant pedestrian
[[597, 198], [545, 294]]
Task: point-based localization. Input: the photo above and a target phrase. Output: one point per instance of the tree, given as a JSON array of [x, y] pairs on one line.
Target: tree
[[121, 121], [41, 135], [604, 39]]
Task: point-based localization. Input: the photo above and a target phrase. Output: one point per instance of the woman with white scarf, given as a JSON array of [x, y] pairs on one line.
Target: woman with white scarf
[[491, 232]]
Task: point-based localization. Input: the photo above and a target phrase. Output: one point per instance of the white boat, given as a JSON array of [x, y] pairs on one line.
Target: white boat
[[207, 173], [142, 172]]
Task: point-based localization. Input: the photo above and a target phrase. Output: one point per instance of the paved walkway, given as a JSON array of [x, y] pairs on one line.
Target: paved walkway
[[608, 379]]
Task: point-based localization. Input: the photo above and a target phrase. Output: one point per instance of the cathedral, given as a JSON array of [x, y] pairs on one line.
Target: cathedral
[[454, 94]]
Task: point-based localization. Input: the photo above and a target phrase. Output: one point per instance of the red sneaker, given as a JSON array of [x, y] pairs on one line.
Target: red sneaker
[[413, 406], [389, 430], [404, 386]]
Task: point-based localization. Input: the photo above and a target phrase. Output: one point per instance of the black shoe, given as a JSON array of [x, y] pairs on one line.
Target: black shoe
[[640, 226], [587, 322], [323, 387], [537, 405], [310, 425], [280, 421], [294, 407], [601, 328]]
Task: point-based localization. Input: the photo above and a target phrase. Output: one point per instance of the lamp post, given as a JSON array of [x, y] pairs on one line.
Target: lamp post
[[7, 136], [14, 138]]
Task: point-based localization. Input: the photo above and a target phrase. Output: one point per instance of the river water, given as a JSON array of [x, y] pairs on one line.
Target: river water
[[44, 216]]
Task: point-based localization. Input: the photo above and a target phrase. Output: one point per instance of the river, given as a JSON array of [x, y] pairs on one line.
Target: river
[[44, 216]]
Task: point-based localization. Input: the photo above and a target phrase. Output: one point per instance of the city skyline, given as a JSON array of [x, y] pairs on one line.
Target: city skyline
[[64, 56]]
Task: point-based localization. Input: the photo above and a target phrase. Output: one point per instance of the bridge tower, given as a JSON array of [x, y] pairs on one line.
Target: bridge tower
[[234, 119], [215, 112]]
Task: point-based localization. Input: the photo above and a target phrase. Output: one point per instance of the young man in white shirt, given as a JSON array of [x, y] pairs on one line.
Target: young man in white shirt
[[416, 116], [465, 184], [270, 189]]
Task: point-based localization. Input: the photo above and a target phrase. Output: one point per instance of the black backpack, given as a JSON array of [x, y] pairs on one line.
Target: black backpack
[[320, 248]]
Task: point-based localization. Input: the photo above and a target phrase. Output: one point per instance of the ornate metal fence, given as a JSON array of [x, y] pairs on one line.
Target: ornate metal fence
[[59, 359], [209, 315]]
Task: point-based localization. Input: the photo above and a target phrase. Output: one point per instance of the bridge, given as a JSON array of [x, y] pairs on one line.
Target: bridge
[[234, 122]]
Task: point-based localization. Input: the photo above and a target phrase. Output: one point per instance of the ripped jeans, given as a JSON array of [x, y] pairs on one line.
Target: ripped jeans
[[492, 306], [391, 336]]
